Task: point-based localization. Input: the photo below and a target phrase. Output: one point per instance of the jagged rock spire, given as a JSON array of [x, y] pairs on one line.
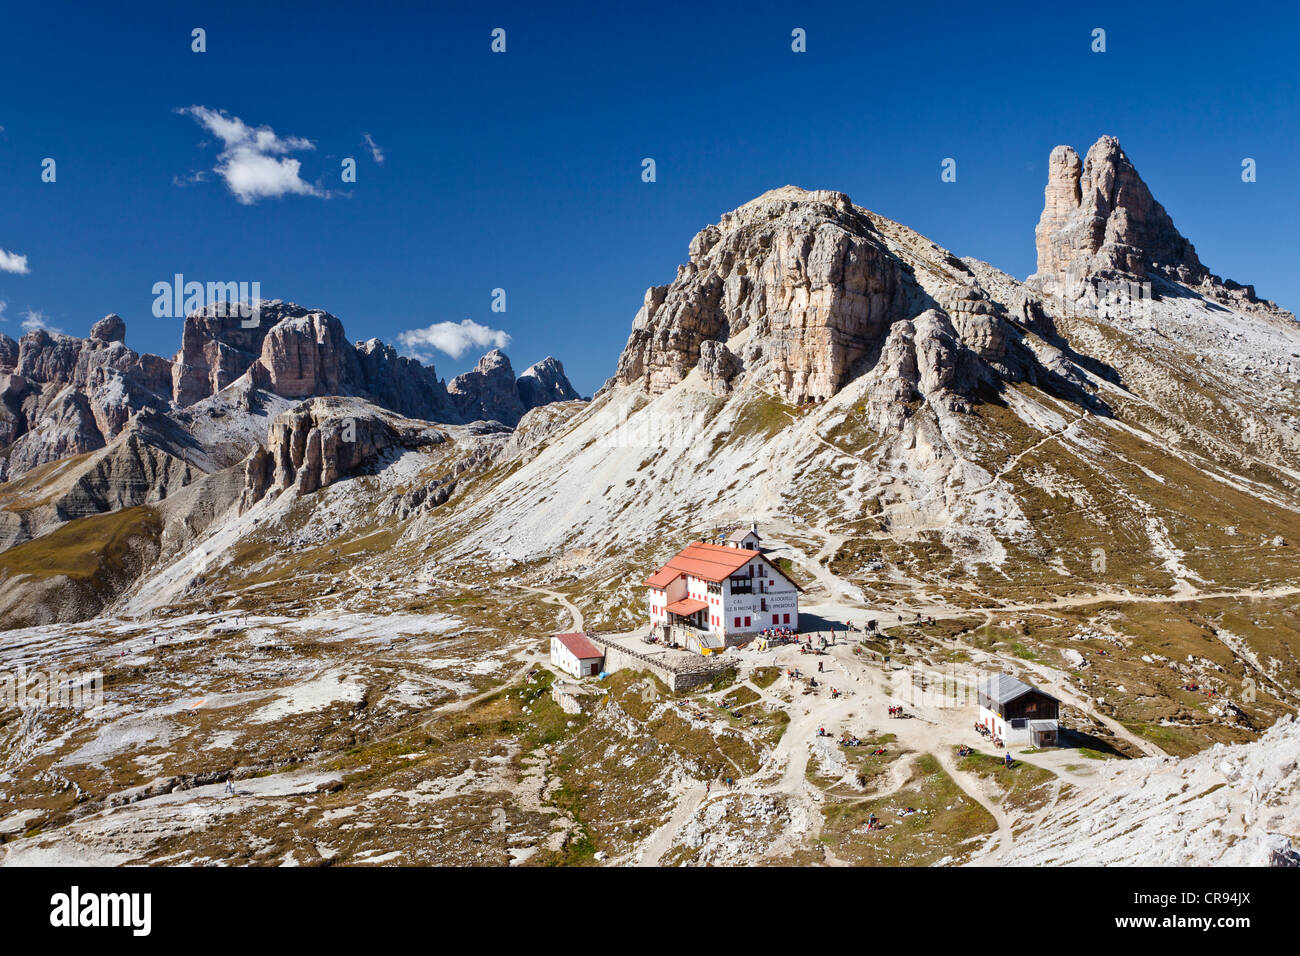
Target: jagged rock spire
[[1100, 219]]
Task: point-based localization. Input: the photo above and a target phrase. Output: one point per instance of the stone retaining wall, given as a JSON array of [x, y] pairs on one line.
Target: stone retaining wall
[[680, 674]]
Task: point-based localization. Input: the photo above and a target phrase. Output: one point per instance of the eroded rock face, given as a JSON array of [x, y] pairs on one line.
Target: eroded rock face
[[1100, 218], [298, 351], [322, 440], [719, 366], [543, 383], [402, 384], [309, 355], [65, 395], [489, 391], [218, 346], [806, 272]]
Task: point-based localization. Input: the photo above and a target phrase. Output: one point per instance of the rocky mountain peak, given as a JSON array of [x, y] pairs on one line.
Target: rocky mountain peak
[[801, 292], [110, 328], [805, 273], [1100, 218], [61, 395], [488, 391], [491, 392], [1101, 222], [545, 382]]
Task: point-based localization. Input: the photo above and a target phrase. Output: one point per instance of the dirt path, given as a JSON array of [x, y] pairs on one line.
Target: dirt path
[[836, 587], [1014, 462], [690, 800], [574, 613], [973, 788]]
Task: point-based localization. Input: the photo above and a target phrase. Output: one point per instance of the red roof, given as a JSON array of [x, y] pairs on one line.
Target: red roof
[[711, 562], [580, 647], [662, 578], [686, 606]]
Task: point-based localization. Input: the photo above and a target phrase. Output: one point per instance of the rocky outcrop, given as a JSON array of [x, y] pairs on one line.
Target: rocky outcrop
[[8, 353], [807, 274], [218, 345], [309, 355], [292, 351], [402, 384], [537, 426], [489, 391], [323, 440], [718, 365], [109, 329], [1101, 224], [922, 359], [544, 382], [1099, 218], [64, 396]]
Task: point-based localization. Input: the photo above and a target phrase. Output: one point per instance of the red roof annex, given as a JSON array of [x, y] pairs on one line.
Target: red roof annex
[[579, 646]]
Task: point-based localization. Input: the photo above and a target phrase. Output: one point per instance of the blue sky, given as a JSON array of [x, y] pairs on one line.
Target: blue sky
[[522, 170]]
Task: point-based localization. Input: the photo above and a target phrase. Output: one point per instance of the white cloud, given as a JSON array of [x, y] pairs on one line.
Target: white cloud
[[37, 320], [189, 179], [376, 151], [451, 337], [254, 161], [13, 262], [3, 305]]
